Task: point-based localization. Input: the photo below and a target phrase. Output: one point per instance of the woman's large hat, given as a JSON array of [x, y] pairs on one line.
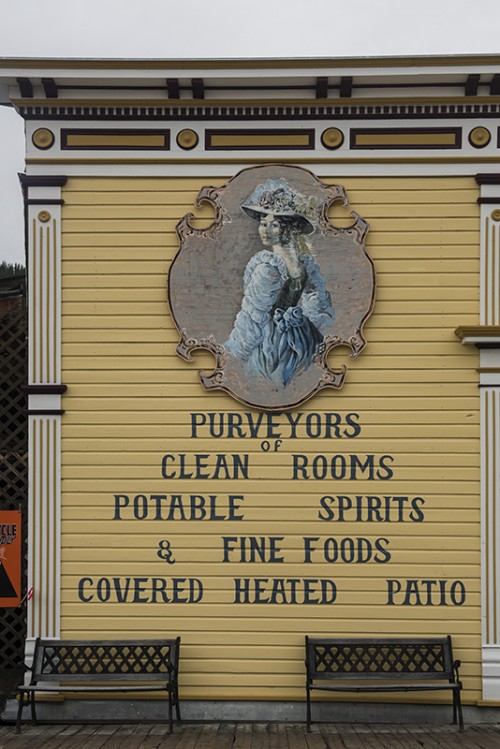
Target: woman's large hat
[[277, 197]]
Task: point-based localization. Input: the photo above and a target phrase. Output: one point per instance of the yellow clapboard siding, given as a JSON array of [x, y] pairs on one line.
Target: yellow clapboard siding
[[398, 568], [252, 616], [298, 440], [304, 519], [402, 543], [375, 183], [94, 302], [75, 250], [218, 580], [110, 477], [436, 563], [382, 231], [423, 371], [167, 210], [80, 437], [434, 284], [454, 355], [137, 193], [308, 498], [215, 593], [167, 334], [149, 328], [257, 461], [141, 266], [196, 634], [84, 481], [103, 291], [130, 396], [294, 507], [305, 522], [263, 621], [225, 434], [258, 458], [153, 394], [147, 184], [170, 209], [215, 400], [444, 404]]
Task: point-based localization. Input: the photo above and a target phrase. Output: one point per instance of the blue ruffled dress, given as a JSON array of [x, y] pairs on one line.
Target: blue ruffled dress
[[282, 319]]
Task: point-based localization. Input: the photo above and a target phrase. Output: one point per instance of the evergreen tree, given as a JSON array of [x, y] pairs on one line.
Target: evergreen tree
[[11, 269]]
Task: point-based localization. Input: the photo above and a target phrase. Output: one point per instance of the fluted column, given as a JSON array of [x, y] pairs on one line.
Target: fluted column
[[486, 337], [43, 235]]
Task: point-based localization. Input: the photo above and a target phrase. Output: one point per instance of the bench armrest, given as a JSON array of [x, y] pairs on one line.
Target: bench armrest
[[456, 666]]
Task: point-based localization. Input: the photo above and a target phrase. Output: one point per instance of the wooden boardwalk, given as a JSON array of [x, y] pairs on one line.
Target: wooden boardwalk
[[250, 736]]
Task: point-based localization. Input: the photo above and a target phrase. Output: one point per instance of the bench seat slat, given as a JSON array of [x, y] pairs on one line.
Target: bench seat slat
[[78, 688], [385, 687]]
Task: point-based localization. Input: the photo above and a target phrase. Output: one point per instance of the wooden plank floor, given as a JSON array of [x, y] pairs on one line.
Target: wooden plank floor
[[250, 736]]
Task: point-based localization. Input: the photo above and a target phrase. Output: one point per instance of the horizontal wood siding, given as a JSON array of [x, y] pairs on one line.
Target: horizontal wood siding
[[129, 402]]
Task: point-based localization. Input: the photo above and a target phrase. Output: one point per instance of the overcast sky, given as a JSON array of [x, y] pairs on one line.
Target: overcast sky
[[223, 28]]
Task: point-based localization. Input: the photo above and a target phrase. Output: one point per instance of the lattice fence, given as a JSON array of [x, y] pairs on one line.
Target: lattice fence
[[13, 468]]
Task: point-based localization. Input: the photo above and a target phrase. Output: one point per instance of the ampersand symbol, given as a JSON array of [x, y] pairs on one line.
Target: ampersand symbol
[[164, 552]]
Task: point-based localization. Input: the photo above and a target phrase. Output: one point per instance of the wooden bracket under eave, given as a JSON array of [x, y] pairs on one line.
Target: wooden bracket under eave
[[479, 335]]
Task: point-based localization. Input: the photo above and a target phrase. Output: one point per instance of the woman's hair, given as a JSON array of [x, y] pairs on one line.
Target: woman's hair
[[292, 234]]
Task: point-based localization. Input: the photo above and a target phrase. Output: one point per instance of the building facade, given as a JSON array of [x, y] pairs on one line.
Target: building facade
[[162, 503]]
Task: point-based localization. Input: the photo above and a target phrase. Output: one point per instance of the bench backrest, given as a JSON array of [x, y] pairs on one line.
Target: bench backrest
[[92, 660], [355, 658]]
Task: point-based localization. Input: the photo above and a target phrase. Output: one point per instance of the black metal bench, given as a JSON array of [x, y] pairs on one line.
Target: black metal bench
[[102, 667], [353, 664]]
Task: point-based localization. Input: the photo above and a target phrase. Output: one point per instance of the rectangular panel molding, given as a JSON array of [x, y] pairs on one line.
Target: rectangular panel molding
[[115, 140], [250, 140], [406, 138]]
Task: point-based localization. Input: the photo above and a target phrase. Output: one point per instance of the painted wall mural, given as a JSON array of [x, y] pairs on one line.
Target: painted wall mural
[[241, 529], [272, 286]]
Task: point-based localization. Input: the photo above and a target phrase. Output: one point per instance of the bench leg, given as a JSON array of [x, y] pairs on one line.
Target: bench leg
[[25, 698], [308, 717], [34, 721], [20, 711], [457, 708], [177, 705], [170, 718]]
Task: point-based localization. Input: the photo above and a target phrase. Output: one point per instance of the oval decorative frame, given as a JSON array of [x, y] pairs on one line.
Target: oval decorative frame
[[227, 290]]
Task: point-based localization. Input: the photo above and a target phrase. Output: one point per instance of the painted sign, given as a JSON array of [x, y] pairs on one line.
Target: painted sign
[[10, 558], [241, 529], [272, 286]]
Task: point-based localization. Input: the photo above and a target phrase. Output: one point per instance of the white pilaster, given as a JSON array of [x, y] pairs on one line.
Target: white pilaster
[[487, 338], [43, 216]]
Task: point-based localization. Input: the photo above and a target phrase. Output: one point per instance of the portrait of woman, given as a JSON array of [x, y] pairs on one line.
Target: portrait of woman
[[286, 307]]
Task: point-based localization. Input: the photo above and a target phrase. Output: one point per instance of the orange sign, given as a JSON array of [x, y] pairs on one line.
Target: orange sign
[[10, 558]]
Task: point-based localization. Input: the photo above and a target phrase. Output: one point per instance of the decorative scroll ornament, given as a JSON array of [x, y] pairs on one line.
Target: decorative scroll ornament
[[271, 287]]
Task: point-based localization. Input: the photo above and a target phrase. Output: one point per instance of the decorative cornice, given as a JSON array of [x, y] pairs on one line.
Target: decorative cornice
[[278, 109]]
